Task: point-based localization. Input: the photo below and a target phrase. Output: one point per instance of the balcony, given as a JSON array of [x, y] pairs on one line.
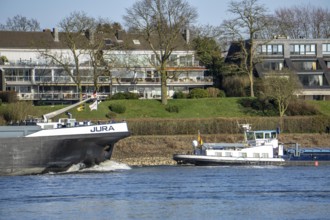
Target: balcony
[[65, 80]]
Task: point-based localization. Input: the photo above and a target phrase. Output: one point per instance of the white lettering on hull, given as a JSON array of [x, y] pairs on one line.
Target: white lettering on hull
[[102, 128], [95, 129]]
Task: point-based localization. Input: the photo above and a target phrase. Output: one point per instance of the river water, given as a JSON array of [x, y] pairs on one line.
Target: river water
[[170, 192]]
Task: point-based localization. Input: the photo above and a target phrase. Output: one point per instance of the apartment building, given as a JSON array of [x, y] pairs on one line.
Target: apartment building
[[131, 66], [309, 58]]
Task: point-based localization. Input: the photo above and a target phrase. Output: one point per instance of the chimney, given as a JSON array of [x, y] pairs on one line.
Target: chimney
[[55, 35], [90, 35], [186, 35], [119, 35]]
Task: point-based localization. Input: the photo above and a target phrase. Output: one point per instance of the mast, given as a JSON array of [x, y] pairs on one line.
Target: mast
[[50, 115]]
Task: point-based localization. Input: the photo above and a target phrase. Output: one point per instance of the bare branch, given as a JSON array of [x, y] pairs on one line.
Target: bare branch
[[163, 20]]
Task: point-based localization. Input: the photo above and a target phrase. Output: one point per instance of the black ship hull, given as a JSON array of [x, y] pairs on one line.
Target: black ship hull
[[35, 155]]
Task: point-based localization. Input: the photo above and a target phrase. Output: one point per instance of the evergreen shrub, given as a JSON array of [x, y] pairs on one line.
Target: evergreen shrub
[[111, 115], [172, 108], [117, 108], [179, 95], [198, 93], [126, 95]]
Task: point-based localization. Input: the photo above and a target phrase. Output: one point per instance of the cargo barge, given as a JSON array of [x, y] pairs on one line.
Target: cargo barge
[[41, 146]]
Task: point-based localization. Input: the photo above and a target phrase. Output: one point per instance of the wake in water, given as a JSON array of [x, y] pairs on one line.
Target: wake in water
[[106, 166]]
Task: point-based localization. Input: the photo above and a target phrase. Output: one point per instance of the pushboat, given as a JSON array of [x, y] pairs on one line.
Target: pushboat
[[260, 147]]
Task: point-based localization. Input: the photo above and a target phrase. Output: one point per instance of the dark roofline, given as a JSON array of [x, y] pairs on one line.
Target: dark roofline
[[53, 39]]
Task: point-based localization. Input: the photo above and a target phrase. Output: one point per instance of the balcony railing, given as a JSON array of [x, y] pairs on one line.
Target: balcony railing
[[104, 80], [49, 96]]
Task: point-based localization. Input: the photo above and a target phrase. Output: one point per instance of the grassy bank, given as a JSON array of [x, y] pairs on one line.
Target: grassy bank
[[215, 118], [188, 108], [211, 116]]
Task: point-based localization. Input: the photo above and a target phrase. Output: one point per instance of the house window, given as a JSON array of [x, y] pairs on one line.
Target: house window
[[108, 42], [302, 49], [136, 42], [18, 74], [273, 65], [186, 60], [306, 65], [173, 60], [312, 80], [328, 64], [43, 75], [270, 49], [325, 48]]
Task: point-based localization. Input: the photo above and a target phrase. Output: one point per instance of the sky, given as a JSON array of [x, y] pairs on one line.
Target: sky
[[50, 13]]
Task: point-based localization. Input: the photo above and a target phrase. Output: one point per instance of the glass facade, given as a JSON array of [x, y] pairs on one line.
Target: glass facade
[[270, 49], [315, 80], [273, 65], [306, 65], [303, 49], [326, 49]]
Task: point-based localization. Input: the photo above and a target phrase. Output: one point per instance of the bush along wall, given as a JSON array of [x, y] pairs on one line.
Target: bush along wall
[[308, 124]]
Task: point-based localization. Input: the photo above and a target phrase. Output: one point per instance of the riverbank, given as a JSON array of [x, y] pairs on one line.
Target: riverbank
[[154, 150]]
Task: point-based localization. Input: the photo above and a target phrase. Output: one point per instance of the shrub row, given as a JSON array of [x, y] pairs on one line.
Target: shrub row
[[312, 124], [199, 93], [268, 107], [124, 95]]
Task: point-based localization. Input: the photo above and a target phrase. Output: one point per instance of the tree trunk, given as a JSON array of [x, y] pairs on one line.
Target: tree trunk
[[251, 86], [163, 85], [80, 91], [250, 65]]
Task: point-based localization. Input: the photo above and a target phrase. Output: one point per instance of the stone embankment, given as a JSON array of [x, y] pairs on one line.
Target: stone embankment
[[158, 150]]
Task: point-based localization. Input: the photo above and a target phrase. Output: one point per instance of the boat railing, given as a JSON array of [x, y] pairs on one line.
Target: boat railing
[[219, 146]]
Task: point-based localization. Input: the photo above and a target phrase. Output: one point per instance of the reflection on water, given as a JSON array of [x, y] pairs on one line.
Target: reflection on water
[[170, 192]]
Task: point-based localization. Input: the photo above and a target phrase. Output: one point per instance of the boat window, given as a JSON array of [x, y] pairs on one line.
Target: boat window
[[259, 135], [264, 155], [267, 135], [250, 136], [228, 154], [273, 134]]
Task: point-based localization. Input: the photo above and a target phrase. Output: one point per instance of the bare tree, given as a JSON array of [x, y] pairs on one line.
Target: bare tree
[[162, 20], [105, 59], [250, 19], [302, 22], [282, 87], [21, 23], [75, 38]]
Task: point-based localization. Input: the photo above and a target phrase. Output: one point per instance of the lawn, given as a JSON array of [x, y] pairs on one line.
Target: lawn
[[188, 108]]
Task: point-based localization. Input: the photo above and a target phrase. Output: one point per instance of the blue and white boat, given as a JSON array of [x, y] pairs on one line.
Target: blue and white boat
[[258, 148]]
